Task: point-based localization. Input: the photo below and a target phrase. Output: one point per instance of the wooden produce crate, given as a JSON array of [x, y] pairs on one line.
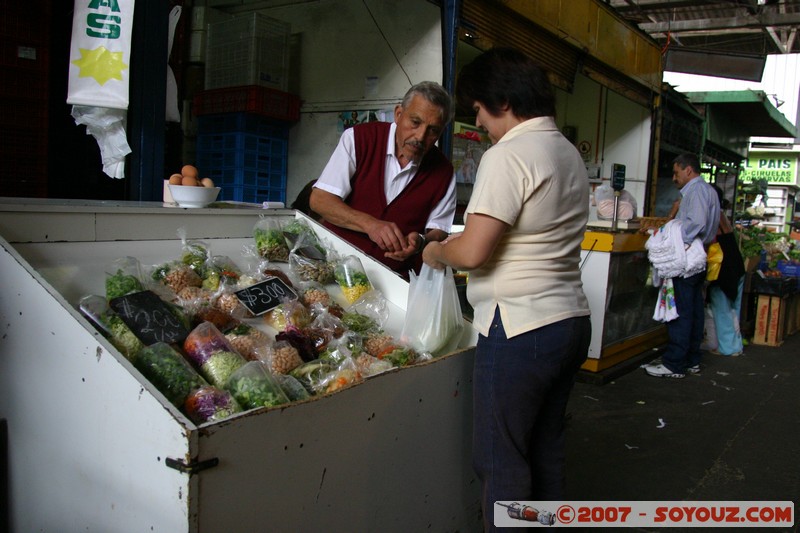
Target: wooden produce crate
[[770, 320]]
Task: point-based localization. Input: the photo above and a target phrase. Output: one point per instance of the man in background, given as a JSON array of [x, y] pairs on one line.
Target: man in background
[[699, 216]]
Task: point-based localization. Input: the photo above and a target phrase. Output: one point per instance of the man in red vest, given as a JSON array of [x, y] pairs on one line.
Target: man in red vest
[[387, 188]]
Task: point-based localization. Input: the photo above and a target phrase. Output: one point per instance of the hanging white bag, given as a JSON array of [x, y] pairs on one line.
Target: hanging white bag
[[433, 321]]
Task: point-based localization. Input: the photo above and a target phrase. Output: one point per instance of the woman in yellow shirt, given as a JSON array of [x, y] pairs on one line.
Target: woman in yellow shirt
[[521, 245]]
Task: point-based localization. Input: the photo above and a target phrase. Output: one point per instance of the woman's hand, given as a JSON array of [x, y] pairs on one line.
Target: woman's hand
[[432, 252]]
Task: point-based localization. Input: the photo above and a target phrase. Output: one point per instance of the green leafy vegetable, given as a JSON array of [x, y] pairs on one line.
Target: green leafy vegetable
[[122, 337], [121, 284], [220, 365], [359, 323], [270, 244], [253, 387], [169, 372]]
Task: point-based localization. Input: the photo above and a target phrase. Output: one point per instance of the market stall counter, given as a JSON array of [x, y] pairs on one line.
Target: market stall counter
[[616, 279], [93, 445]]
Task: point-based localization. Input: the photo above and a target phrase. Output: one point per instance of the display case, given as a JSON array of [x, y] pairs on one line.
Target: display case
[[615, 272], [94, 446], [776, 201]]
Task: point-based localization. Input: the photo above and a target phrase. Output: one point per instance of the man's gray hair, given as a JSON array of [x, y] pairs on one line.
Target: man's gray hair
[[435, 94]]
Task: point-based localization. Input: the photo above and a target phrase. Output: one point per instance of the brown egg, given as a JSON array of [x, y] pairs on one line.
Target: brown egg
[[175, 179], [206, 182], [189, 171], [189, 181]]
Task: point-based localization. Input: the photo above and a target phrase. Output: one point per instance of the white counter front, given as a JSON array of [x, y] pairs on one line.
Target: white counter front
[[93, 446]]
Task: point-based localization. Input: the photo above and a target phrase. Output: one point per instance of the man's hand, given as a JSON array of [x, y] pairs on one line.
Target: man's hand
[[411, 248], [333, 209], [387, 236]]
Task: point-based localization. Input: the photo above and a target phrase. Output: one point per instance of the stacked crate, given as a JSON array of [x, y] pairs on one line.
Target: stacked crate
[[245, 154], [243, 116], [251, 49]]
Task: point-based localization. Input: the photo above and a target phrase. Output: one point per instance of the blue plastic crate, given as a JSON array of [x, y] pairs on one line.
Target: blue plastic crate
[[233, 177], [241, 150], [242, 123], [246, 155], [253, 194]]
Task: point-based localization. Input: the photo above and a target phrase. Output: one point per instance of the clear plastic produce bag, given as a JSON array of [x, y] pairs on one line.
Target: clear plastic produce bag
[[254, 386], [433, 321]]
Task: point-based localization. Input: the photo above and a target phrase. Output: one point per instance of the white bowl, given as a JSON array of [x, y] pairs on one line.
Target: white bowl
[[191, 196]]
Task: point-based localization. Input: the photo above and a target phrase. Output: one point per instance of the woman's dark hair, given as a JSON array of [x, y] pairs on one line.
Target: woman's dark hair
[[506, 76]]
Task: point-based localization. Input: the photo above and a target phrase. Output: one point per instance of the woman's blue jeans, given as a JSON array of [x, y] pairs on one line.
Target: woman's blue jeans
[[521, 388], [726, 319]]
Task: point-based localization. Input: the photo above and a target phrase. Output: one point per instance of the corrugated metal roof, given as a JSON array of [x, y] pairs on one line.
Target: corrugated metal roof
[[755, 27]]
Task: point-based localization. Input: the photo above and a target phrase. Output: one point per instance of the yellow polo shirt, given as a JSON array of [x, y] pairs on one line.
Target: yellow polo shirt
[[534, 180]]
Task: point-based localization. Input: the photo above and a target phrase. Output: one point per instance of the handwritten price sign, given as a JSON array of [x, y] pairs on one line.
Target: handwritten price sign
[[265, 295], [149, 317]]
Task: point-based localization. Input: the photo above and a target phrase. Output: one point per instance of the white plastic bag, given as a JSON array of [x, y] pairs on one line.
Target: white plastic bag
[[433, 321]]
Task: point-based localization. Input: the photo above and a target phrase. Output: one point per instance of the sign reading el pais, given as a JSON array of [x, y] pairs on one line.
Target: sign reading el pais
[[776, 168]]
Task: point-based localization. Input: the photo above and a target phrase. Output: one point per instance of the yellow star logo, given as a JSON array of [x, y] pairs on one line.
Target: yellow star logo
[[100, 64]]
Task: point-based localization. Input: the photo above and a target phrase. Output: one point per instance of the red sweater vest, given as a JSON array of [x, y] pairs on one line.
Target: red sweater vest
[[409, 210]]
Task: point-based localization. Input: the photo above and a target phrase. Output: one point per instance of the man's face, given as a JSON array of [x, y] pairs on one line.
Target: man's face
[[419, 126], [681, 176]]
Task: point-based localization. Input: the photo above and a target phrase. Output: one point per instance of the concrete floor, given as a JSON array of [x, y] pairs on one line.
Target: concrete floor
[[731, 432]]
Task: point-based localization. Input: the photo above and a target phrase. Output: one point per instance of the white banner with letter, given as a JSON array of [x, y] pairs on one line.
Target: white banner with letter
[[99, 71]]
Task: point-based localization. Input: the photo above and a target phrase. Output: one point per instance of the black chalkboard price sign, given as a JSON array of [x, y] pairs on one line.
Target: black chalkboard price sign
[[265, 295], [149, 317]]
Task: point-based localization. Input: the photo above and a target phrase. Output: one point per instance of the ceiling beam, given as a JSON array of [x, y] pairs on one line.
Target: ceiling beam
[[774, 19]]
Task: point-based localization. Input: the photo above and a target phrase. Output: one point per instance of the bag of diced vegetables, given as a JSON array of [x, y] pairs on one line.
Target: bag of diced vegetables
[[169, 371], [352, 278], [270, 242], [212, 354], [210, 404], [254, 386]]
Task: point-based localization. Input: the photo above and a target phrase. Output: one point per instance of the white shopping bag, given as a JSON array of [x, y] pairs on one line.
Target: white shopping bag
[[433, 321]]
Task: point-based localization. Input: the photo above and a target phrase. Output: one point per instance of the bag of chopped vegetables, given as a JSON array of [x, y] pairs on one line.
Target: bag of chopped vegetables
[[176, 276], [433, 321], [312, 292], [313, 375], [209, 313], [221, 272], [372, 304], [280, 357], [352, 278], [96, 309], [212, 354], [287, 313], [311, 269], [297, 230], [291, 387], [169, 371], [194, 253], [253, 386], [210, 404], [248, 341], [124, 276], [368, 365], [270, 242]]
